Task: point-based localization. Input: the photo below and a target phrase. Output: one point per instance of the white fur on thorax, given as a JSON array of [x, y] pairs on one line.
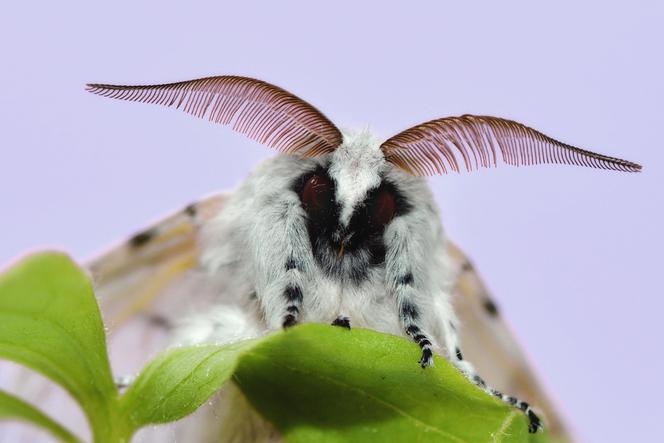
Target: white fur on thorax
[[245, 248]]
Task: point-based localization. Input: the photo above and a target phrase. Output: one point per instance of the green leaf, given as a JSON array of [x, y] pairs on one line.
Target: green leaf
[[313, 382], [16, 409], [51, 323], [177, 382], [325, 384], [318, 383]]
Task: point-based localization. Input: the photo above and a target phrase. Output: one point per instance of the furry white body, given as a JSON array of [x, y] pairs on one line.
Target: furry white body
[[245, 246], [254, 265]]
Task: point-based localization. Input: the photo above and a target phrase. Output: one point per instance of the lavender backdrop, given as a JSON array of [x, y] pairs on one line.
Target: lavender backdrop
[[573, 255]]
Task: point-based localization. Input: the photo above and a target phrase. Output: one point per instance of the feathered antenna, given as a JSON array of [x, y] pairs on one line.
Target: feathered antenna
[[435, 147], [261, 111]]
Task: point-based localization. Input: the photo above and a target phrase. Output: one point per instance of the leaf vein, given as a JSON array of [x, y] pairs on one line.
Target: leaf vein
[[385, 403]]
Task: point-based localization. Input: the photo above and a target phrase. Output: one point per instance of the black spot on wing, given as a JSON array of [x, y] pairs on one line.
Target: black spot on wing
[[191, 210], [142, 238], [490, 307], [160, 321]]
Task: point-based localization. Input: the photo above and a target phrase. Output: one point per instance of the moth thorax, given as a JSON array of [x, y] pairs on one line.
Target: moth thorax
[[357, 166]]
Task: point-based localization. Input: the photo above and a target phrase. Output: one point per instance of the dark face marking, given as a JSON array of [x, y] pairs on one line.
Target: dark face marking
[[142, 238], [290, 264], [347, 252], [459, 355]]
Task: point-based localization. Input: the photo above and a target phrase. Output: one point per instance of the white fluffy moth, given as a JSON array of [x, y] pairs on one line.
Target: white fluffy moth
[[340, 228]]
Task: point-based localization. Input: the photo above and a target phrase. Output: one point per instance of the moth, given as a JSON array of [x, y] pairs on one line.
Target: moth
[[340, 227]]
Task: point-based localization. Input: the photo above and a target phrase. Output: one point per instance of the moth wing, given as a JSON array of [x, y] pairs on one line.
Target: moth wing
[[140, 285], [146, 285], [491, 346]]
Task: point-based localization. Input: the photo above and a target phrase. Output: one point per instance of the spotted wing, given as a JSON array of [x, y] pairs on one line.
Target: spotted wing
[[139, 284], [444, 145], [492, 347]]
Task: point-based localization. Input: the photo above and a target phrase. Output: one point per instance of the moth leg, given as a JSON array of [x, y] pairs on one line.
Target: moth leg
[[342, 321], [283, 258], [403, 256], [467, 369], [422, 339], [534, 422], [455, 356], [409, 315], [292, 295]]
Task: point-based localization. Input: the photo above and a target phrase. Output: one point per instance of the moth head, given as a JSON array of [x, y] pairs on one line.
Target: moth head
[[357, 167], [348, 202]]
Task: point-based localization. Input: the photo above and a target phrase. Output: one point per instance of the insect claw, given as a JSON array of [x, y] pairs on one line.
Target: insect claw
[[342, 321], [534, 422], [427, 358], [289, 321]]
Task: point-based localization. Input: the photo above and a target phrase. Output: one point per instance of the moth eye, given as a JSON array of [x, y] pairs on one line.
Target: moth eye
[[317, 194], [383, 208]]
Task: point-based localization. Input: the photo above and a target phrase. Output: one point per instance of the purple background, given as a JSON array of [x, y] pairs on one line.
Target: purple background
[[572, 255]]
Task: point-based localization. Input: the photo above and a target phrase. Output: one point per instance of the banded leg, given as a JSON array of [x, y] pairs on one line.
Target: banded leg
[[534, 422], [467, 369], [292, 295], [455, 356], [283, 259], [402, 259], [410, 317]]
